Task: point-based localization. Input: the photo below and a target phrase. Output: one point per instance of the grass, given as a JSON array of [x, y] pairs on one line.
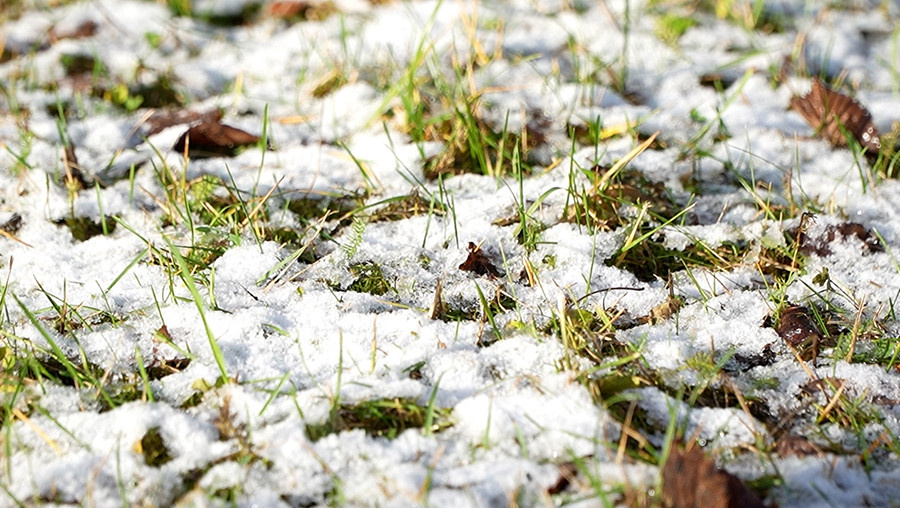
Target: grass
[[645, 233], [189, 281], [383, 418]]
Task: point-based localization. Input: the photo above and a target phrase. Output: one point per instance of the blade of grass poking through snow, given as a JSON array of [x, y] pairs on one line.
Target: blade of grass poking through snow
[[248, 215], [428, 221], [488, 313], [336, 400], [626, 38], [275, 392], [610, 173], [672, 431], [100, 209], [176, 189], [139, 358], [564, 331], [631, 242], [372, 182], [188, 280], [3, 289], [429, 411], [263, 140], [407, 86], [881, 241], [281, 267], [140, 255], [486, 438], [447, 198], [131, 172]]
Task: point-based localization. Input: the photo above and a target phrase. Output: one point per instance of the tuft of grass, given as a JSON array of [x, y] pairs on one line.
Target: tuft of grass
[[649, 259], [471, 144], [406, 206], [528, 229], [383, 418], [614, 190], [500, 303], [311, 207], [439, 103], [65, 363]]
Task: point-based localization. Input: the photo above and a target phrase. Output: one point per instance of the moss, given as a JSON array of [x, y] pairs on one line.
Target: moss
[[369, 279]]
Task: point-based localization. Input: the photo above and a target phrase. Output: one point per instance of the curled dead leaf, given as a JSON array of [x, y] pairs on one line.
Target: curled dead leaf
[[213, 139], [832, 114], [479, 263], [690, 480]]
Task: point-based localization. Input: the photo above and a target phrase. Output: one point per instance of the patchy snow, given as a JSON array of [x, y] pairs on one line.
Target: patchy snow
[[298, 340]]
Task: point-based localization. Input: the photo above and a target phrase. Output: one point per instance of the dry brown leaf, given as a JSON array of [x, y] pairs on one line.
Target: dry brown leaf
[[690, 480], [479, 263], [162, 119], [799, 331], [213, 139], [830, 113]]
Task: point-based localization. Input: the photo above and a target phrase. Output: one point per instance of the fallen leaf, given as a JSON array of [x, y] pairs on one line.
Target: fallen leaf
[[826, 385], [797, 446], [479, 263], [821, 244], [164, 118], [690, 480], [831, 113], [213, 139], [10, 226], [798, 329]]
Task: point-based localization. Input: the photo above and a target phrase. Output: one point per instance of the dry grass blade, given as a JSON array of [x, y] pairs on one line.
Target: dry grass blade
[[37, 430], [604, 179], [75, 180]]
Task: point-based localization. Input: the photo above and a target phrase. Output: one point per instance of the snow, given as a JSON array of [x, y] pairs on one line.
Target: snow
[[299, 342]]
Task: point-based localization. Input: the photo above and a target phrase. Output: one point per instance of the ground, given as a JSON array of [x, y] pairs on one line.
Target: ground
[[449, 253]]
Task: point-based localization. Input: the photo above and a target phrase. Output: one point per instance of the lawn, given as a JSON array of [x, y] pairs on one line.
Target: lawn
[[449, 253]]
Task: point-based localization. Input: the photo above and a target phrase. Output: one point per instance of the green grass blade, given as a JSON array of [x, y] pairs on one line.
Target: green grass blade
[[188, 280]]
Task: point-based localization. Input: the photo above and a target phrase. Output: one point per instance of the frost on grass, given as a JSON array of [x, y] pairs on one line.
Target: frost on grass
[[444, 254]]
